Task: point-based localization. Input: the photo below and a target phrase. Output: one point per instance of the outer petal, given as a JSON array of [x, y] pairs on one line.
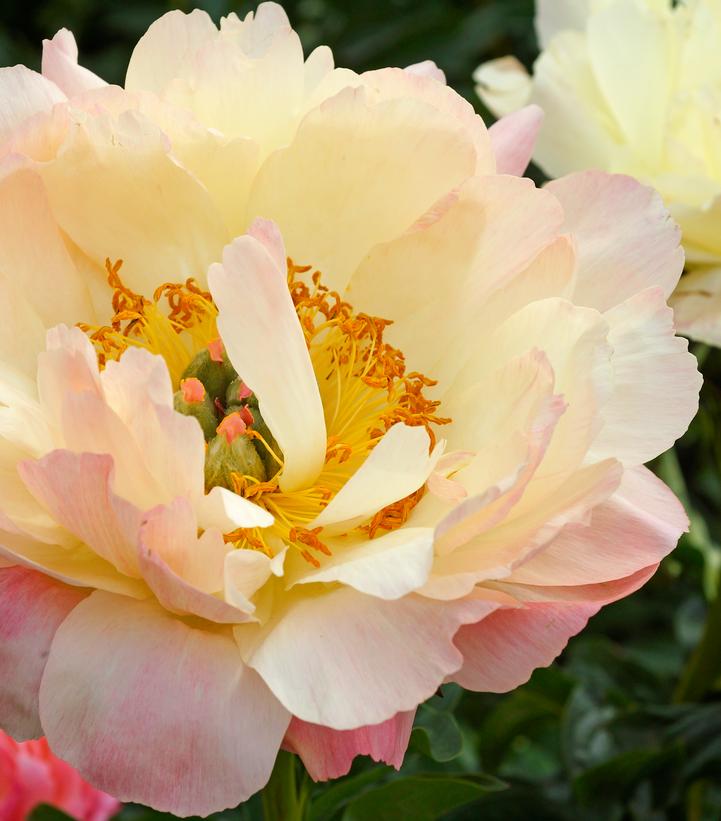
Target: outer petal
[[553, 16], [648, 362], [397, 466], [23, 93], [502, 650], [378, 659], [157, 217], [32, 607], [626, 241], [329, 753], [60, 64], [166, 46], [265, 343], [639, 525], [123, 679], [504, 85], [697, 306], [328, 205], [513, 139]]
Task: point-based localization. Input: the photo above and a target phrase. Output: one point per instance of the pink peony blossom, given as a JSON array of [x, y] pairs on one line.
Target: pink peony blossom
[[31, 775], [441, 385]]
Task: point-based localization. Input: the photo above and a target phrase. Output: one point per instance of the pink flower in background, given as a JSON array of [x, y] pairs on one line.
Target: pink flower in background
[[310, 405], [31, 775]]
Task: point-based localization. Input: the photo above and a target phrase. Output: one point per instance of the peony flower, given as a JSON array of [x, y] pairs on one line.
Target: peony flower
[[307, 409], [633, 86], [31, 775]]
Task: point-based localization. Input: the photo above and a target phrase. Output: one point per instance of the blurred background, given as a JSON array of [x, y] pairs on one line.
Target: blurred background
[[627, 725]]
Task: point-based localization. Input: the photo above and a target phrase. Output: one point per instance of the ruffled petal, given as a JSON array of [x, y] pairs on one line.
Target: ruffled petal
[[152, 710], [327, 753], [513, 139], [265, 343], [60, 65], [32, 607]]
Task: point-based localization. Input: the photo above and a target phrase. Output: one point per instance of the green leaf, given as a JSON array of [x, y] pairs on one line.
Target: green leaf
[[421, 798], [436, 734], [335, 797], [47, 813]]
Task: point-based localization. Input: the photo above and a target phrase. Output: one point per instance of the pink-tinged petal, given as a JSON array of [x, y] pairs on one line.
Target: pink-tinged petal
[[649, 362], [513, 138], [639, 525], [441, 484], [387, 566], [427, 68], [77, 490], [265, 343], [138, 390], [178, 596], [328, 753], [152, 710], [23, 93], [60, 65], [625, 239], [379, 658], [224, 510], [502, 650], [396, 467], [181, 568], [32, 607]]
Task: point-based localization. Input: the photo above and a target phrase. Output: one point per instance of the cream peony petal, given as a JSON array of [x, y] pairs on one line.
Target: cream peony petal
[[60, 65], [642, 512], [327, 753], [379, 659], [616, 35], [396, 467], [156, 217], [23, 93], [427, 68], [492, 233], [553, 16], [169, 43], [388, 566], [513, 139], [697, 306], [124, 675], [625, 239], [224, 510], [503, 84], [649, 362], [331, 210], [32, 607], [76, 488], [246, 571], [33, 255], [265, 343]]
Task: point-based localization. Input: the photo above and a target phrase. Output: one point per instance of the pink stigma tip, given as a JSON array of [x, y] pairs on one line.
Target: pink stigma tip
[[231, 427], [216, 350], [244, 392], [246, 414], [193, 390]]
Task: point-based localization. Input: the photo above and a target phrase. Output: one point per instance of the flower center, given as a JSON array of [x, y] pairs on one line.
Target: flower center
[[362, 379]]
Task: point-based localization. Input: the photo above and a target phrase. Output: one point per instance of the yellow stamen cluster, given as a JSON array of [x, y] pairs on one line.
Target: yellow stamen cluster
[[176, 332], [363, 382]]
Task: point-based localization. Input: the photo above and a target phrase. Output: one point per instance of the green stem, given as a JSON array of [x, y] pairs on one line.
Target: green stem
[[703, 669], [283, 798]]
